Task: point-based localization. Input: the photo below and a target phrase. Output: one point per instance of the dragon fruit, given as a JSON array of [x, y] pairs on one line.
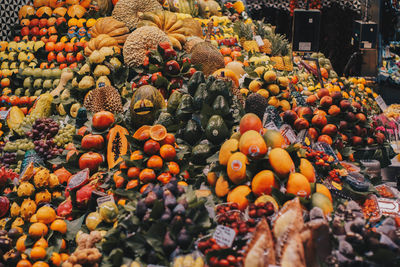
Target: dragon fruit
[[65, 209], [28, 208], [83, 195], [6, 175], [4, 205]]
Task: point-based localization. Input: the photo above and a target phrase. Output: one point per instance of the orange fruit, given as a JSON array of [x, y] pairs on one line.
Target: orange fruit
[[164, 177], [41, 243], [55, 259], [250, 121], [136, 155], [40, 264], [252, 144], [143, 188], [143, 133], [236, 167], [133, 172], [38, 253], [63, 175], [225, 50], [118, 179], [158, 132], [24, 263], [132, 184], [63, 245], [64, 257], [38, 229], [320, 188], [281, 162], [239, 195], [227, 60], [173, 168], [298, 185], [169, 139], [263, 182], [167, 152], [182, 183], [20, 245], [147, 175], [307, 169], [46, 214], [59, 226], [155, 162]]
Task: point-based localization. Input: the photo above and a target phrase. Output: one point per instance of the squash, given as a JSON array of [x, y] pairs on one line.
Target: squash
[[111, 27], [44, 10], [56, 3], [100, 41], [26, 11], [145, 104], [72, 2], [117, 145], [60, 11], [40, 3], [77, 11]]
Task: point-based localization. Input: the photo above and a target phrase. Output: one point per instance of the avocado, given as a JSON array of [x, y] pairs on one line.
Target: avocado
[[196, 79], [216, 130], [173, 101], [200, 153], [200, 96], [192, 132], [185, 108], [219, 87], [220, 106]]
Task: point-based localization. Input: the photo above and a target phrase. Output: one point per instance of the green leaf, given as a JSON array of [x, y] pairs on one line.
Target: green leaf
[[157, 210], [116, 256], [73, 227], [155, 236]]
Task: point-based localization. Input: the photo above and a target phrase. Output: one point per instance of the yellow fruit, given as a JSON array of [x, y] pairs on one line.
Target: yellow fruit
[[236, 167], [265, 199], [263, 182], [281, 162], [259, 70], [252, 144], [323, 202], [255, 85], [263, 92], [211, 178], [270, 76], [273, 101], [221, 187], [274, 139], [320, 188], [239, 195], [298, 185], [285, 105], [227, 149], [307, 169], [46, 215], [273, 89], [283, 81], [244, 91]]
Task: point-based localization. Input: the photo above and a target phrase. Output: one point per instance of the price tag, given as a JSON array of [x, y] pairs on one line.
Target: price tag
[[389, 206], [304, 46], [271, 126], [3, 114], [381, 102], [224, 236], [259, 40], [324, 147], [303, 138], [105, 199], [288, 133]]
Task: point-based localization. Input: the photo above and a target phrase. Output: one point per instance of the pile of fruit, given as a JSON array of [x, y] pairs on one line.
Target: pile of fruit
[[183, 134]]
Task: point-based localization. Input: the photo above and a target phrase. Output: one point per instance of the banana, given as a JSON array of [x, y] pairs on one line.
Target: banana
[[161, 16], [178, 24], [175, 43], [170, 20], [180, 37]]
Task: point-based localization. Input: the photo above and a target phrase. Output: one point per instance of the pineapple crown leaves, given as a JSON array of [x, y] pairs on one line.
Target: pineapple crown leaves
[[243, 30], [279, 45]]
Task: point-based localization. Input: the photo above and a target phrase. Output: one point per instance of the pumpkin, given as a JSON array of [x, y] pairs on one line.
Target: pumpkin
[[56, 3], [146, 102], [76, 11], [26, 11], [111, 27], [39, 3], [85, 3], [102, 40], [117, 145], [60, 11], [44, 10], [72, 2]]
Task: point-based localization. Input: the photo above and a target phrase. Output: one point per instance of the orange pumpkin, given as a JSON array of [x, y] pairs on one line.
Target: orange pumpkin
[[227, 73], [76, 11], [72, 2], [56, 3], [85, 3], [60, 11], [44, 10], [39, 3], [26, 11]]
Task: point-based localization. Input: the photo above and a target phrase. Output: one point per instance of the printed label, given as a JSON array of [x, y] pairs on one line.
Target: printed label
[[271, 126], [105, 199], [3, 114], [381, 103], [288, 133], [236, 165], [388, 206], [254, 151], [224, 236], [259, 40], [304, 46]]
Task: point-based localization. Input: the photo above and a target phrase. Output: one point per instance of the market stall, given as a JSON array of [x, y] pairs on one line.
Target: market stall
[[183, 133]]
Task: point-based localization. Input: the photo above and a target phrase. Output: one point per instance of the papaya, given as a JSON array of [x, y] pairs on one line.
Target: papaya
[[216, 130], [117, 145], [194, 81], [236, 167], [173, 101], [307, 169], [252, 144], [221, 187], [227, 149], [221, 106], [15, 117], [281, 162]]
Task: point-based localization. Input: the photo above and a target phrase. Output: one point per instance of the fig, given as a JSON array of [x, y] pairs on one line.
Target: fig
[[179, 210], [184, 239], [170, 201], [141, 209], [169, 245], [150, 198]]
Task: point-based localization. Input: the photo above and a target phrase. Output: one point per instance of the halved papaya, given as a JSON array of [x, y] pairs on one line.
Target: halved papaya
[[143, 133], [117, 145], [158, 132]]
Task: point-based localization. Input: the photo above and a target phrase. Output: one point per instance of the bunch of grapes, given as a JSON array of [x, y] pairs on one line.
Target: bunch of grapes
[[47, 149], [27, 121], [44, 128], [8, 159], [65, 135], [20, 144]]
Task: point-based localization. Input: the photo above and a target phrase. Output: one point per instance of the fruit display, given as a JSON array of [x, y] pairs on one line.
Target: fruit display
[[184, 133]]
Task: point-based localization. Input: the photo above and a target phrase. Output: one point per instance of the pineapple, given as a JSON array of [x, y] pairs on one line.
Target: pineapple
[[244, 31]]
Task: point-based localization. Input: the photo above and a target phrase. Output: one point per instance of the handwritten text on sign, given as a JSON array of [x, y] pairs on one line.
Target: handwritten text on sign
[[224, 236]]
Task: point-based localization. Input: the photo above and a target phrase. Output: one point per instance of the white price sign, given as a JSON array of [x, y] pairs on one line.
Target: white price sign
[[105, 199], [224, 236], [381, 102], [271, 126], [259, 40], [288, 133]]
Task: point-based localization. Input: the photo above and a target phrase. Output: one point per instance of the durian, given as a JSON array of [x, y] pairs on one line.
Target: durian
[[104, 98]]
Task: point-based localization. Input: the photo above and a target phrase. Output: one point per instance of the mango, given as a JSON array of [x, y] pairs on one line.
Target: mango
[[252, 144], [321, 201], [221, 187], [281, 162], [236, 167], [274, 139], [307, 169], [227, 149]]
